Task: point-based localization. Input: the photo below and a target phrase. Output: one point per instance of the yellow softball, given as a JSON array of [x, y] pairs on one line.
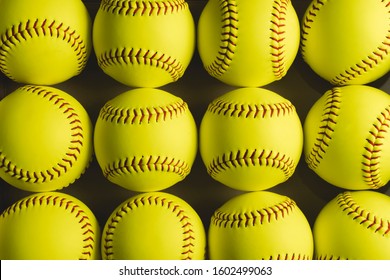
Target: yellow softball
[[46, 139], [347, 141], [260, 225], [154, 225], [49, 226], [248, 43], [145, 139], [44, 41], [347, 41], [144, 43], [354, 225], [250, 139]]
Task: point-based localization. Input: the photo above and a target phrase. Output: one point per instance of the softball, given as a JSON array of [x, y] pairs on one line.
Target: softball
[[44, 41], [144, 43], [347, 41], [354, 225], [145, 140], [243, 139], [260, 225], [154, 225], [46, 139], [347, 141], [49, 226], [248, 43]]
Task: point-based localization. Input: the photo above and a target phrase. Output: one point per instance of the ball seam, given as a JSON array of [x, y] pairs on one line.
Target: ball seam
[[140, 56], [251, 158], [373, 149], [326, 128], [352, 72], [150, 200], [329, 257], [143, 8], [143, 115], [229, 38], [142, 164], [278, 32], [35, 29], [62, 202], [70, 156], [236, 109]]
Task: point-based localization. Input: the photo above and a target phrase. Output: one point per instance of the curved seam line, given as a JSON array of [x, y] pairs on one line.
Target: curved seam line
[[131, 56], [372, 150]]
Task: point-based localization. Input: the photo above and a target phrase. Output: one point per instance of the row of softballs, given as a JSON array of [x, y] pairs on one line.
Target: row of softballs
[[145, 43]]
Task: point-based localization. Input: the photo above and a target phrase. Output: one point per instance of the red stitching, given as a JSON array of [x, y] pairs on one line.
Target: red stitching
[[326, 129], [311, 13], [143, 8], [142, 115], [228, 108], [278, 37], [254, 217], [362, 216], [373, 149], [288, 256], [247, 158], [229, 38], [144, 57], [146, 163]]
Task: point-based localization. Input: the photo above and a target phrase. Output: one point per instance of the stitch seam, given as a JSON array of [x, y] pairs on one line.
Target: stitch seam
[[251, 158], [130, 165], [278, 37], [311, 13], [372, 150], [327, 127], [156, 114], [132, 56], [143, 8], [150, 200], [229, 37], [330, 257]]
